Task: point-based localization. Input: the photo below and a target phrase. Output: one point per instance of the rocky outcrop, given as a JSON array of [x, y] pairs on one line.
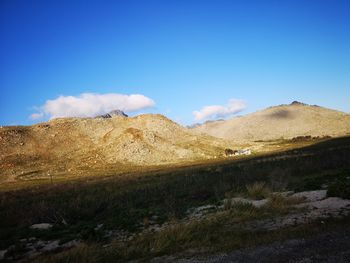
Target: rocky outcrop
[[298, 103], [112, 114]]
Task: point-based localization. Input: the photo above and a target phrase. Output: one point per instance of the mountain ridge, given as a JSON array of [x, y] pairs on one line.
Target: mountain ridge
[[282, 121], [65, 144]]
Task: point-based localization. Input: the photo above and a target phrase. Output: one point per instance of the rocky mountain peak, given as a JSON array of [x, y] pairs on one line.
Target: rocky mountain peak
[[297, 103], [113, 113]]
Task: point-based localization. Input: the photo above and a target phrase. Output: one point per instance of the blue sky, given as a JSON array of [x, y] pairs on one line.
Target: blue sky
[[183, 55]]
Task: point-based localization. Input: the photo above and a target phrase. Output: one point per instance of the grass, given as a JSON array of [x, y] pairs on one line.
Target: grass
[[219, 232], [125, 202], [331, 179], [182, 236], [281, 203], [337, 182], [209, 236], [258, 190], [340, 188]]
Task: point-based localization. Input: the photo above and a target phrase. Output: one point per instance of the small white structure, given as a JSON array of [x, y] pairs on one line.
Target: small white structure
[[243, 152], [229, 152]]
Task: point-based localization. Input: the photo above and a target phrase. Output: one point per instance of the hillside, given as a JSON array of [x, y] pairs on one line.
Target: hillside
[[284, 121], [75, 145], [162, 216]]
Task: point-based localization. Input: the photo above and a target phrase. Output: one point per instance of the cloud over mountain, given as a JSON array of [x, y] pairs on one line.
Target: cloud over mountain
[[219, 111], [92, 104]]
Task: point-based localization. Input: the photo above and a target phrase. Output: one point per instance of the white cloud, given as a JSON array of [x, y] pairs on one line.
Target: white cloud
[[92, 104], [36, 116], [219, 111]]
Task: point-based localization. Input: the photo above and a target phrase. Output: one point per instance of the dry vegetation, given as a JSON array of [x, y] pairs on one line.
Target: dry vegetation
[[130, 202], [284, 121], [67, 148], [258, 190], [221, 232], [89, 177], [71, 147]]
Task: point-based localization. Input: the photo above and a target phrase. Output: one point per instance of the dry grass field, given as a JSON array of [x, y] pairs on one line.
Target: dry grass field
[[100, 212]]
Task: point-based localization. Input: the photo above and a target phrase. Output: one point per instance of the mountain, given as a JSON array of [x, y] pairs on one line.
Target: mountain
[[112, 114], [81, 145], [283, 121], [196, 125]]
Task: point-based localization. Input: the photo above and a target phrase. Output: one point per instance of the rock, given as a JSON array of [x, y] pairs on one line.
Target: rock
[[39, 244], [298, 103], [98, 227], [41, 226], [259, 203], [113, 114], [150, 136], [201, 209], [70, 244], [117, 113], [285, 194], [37, 247], [199, 212], [204, 208], [255, 203], [331, 204], [311, 196], [2, 254], [51, 245], [319, 209]]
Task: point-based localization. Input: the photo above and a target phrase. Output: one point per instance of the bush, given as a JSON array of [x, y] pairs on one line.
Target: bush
[[238, 207], [340, 189], [279, 203], [258, 190]]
